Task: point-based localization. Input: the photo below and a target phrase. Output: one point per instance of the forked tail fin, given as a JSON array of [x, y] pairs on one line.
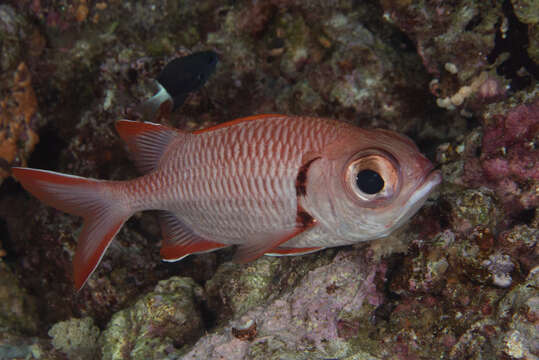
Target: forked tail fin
[[102, 210]]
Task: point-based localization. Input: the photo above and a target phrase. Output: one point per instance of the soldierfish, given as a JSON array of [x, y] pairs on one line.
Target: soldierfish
[[271, 184], [178, 79]]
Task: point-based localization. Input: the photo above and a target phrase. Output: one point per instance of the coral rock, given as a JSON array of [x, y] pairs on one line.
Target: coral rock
[[18, 115], [307, 322], [157, 324], [77, 338], [18, 310]]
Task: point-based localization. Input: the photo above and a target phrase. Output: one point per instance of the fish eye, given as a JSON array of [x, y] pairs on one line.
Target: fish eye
[[372, 177], [369, 181]]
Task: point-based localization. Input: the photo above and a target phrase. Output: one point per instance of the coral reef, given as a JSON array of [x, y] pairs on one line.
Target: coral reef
[[18, 119], [508, 161], [309, 322], [77, 338], [234, 289], [459, 77], [18, 311], [158, 324]]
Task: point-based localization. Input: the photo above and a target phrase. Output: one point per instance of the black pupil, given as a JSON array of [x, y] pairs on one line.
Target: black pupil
[[370, 182]]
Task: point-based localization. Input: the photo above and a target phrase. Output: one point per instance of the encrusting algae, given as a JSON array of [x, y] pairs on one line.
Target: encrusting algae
[[18, 113]]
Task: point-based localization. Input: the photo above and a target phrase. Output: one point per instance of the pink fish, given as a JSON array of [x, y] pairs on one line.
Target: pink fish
[[271, 184]]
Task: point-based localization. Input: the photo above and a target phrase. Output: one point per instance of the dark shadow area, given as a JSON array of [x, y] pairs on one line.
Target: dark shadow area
[[46, 154], [525, 217], [6, 242], [515, 42]]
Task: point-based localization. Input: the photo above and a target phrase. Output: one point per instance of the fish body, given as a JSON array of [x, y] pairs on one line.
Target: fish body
[[178, 79], [271, 184]]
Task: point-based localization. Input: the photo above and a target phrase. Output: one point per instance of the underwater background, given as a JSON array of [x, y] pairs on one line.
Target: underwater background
[[459, 281]]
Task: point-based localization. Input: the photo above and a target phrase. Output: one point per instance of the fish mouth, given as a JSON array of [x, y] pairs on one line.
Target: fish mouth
[[431, 180]]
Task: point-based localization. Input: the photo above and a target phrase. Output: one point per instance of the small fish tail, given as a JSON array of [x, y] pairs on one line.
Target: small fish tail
[[94, 200], [149, 109]]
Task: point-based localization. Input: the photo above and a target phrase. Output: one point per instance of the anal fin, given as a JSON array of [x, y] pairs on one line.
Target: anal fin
[[179, 241]]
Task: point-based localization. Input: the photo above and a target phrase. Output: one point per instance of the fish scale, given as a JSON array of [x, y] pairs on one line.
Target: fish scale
[[242, 167], [271, 184]]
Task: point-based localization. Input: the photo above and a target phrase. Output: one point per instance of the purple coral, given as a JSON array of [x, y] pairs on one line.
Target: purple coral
[[500, 267], [509, 158]]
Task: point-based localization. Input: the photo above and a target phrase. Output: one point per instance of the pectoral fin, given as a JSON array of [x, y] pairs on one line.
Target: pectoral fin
[[263, 243], [179, 241], [270, 243]]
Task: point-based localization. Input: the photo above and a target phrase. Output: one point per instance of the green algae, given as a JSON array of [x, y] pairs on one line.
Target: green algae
[[527, 11], [473, 207], [18, 310], [241, 287], [297, 43], [77, 338]]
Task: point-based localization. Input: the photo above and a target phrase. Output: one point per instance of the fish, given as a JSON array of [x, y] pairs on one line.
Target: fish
[[177, 80], [269, 184]]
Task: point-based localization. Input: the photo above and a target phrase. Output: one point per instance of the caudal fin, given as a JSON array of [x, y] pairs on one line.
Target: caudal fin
[[151, 109], [102, 211]]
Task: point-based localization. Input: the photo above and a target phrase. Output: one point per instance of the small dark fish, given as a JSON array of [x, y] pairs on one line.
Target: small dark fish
[[180, 77]]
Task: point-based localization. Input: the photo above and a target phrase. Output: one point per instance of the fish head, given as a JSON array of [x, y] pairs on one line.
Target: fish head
[[368, 183]]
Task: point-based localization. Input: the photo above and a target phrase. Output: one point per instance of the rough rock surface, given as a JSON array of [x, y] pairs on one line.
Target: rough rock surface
[[157, 324], [312, 321], [18, 311], [18, 120], [76, 338]]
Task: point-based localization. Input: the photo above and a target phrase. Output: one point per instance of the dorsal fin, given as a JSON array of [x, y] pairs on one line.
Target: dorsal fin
[[237, 121], [146, 141]]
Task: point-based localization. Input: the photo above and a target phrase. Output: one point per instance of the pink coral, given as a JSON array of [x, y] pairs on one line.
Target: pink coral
[[520, 124], [496, 168], [506, 145], [509, 160]]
